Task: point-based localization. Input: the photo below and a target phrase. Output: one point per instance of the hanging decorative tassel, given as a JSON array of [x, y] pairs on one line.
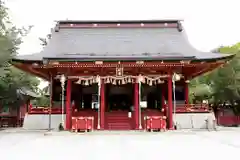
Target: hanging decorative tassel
[[123, 81], [108, 80], [129, 80], [79, 81], [150, 83], [160, 81], [114, 82], [86, 83], [154, 82]]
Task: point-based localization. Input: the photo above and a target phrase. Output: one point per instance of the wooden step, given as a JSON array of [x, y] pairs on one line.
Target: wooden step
[[118, 120], [119, 126]]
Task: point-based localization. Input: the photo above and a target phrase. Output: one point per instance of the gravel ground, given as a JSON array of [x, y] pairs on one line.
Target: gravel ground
[[187, 144]]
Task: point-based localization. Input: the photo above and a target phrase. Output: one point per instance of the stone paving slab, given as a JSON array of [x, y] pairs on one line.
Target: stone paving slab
[[127, 145]]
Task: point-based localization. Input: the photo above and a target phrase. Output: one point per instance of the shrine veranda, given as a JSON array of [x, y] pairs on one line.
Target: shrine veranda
[[119, 73]]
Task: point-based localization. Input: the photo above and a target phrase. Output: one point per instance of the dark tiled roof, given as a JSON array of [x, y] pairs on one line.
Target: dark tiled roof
[[120, 44], [27, 92]]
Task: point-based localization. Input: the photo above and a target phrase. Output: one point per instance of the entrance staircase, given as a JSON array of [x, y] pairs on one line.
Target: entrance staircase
[[118, 120]]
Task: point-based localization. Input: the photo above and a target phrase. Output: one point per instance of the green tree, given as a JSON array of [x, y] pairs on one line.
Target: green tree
[[11, 78], [10, 36], [44, 41], [222, 86], [43, 100]]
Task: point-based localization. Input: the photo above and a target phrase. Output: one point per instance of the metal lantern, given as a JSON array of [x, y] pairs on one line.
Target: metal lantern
[[140, 79], [98, 79], [175, 77], [62, 80]]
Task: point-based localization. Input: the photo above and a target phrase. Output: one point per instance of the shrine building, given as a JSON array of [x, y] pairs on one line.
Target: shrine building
[[119, 72]]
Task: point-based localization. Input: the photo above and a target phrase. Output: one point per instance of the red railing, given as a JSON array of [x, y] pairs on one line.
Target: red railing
[[228, 120], [192, 108], [8, 121], [180, 108], [45, 110]]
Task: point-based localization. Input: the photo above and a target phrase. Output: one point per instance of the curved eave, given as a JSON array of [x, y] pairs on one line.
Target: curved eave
[[29, 61], [22, 65], [119, 58], [209, 68], [29, 58], [223, 57], [219, 56], [193, 59]]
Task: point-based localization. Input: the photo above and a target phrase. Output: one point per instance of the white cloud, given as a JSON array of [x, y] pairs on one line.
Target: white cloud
[[208, 23]]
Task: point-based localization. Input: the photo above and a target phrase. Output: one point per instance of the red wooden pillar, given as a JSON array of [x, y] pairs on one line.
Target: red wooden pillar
[[136, 103], [170, 103], [29, 106], [68, 105], [186, 93], [102, 105]]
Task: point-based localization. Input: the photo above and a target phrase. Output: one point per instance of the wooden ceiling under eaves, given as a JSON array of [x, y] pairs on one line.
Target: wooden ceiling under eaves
[[187, 70]]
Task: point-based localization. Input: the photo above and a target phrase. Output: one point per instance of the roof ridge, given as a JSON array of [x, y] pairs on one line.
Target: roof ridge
[[118, 21]]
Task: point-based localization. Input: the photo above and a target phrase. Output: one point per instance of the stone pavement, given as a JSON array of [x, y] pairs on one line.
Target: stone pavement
[[181, 144]]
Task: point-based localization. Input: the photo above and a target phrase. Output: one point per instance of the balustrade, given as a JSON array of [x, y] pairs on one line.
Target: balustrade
[[194, 108], [45, 110], [180, 108]]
